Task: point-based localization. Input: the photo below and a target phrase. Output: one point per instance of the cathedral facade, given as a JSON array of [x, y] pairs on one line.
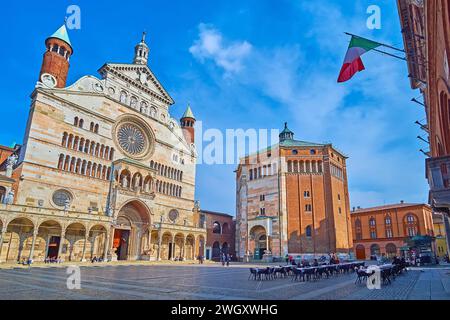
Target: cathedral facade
[[292, 198], [104, 170]]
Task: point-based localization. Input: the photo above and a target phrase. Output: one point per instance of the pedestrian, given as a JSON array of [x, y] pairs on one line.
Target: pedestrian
[[222, 259], [228, 258]]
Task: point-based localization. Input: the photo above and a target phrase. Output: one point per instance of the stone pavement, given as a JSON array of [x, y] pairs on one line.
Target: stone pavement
[[212, 281]]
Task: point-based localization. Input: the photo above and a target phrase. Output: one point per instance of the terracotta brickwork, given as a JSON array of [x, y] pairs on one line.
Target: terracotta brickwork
[[296, 192], [383, 230], [220, 234]]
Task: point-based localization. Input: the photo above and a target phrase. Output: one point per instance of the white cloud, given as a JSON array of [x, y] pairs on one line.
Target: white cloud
[[211, 46], [369, 118]]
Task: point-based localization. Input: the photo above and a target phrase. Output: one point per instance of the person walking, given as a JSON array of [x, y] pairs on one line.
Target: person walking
[[222, 259], [228, 258]]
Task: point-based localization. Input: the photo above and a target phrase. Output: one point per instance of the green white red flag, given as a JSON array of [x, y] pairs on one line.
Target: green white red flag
[[352, 62]]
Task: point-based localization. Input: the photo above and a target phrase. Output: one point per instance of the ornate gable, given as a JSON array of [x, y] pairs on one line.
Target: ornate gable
[[139, 76]]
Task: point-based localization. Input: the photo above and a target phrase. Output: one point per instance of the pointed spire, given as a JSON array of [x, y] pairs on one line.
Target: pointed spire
[[188, 113], [62, 34], [144, 34]]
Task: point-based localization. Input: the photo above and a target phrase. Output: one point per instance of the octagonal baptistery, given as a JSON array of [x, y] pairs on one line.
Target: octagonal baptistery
[[106, 154]]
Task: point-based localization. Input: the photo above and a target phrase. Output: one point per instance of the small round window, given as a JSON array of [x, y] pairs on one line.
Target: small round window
[[173, 215], [294, 151], [312, 151], [60, 197]]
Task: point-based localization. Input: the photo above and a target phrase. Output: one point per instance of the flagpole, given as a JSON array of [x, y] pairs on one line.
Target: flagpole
[[382, 44], [389, 54]]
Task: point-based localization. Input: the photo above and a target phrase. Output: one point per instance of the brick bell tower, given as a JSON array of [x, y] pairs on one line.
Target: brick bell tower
[[55, 65], [187, 124]]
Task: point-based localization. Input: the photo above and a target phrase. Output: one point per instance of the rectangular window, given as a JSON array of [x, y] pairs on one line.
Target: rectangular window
[[389, 233], [340, 210], [373, 235], [308, 208], [339, 196], [306, 194], [262, 197], [262, 211]]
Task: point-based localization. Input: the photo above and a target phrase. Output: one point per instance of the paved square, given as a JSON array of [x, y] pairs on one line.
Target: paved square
[[208, 282]]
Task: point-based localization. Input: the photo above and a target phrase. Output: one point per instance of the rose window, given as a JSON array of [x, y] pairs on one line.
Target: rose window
[[132, 139]]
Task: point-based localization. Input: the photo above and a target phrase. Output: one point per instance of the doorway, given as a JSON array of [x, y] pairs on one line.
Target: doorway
[[53, 247], [170, 250], [120, 243]]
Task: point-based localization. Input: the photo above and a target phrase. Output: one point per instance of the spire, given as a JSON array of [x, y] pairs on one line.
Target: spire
[[188, 113], [286, 134], [141, 51], [62, 34]]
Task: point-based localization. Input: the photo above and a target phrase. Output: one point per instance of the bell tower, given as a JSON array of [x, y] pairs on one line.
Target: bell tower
[[187, 125], [55, 65], [141, 51]]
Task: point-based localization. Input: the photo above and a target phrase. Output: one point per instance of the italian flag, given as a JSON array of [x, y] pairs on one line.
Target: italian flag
[[352, 62]]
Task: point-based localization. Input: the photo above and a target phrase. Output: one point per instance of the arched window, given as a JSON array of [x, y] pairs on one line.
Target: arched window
[[216, 228], [61, 161], [75, 122], [358, 229], [373, 228], [96, 128], [2, 194], [308, 231], [133, 102], [411, 225], [388, 221], [391, 250], [81, 123], [123, 97]]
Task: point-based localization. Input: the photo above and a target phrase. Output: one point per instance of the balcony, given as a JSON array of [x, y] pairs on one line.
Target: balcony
[[438, 175]]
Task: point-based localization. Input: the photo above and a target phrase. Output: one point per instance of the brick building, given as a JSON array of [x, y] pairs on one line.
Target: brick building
[[104, 169], [384, 229], [292, 198], [220, 234], [426, 34]]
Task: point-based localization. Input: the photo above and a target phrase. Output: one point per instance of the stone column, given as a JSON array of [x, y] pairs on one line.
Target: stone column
[[267, 242], [159, 245], [61, 243], [2, 233], [184, 249], [35, 233], [105, 253], [173, 249], [86, 239]]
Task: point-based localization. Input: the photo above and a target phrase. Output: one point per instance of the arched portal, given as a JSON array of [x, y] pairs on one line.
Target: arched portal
[[360, 252], [215, 250], [19, 231], [258, 242], [50, 232], [75, 235], [96, 242], [225, 248], [131, 231]]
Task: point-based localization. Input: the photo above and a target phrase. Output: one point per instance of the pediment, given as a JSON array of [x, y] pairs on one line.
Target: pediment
[[139, 76]]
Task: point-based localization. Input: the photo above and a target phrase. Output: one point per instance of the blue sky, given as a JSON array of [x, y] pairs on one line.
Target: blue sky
[[243, 64]]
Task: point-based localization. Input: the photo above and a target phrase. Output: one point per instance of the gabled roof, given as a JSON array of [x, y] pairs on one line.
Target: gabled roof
[[62, 34], [126, 70]]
